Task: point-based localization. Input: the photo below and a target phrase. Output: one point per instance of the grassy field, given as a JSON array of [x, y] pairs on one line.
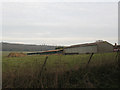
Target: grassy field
[[61, 71]]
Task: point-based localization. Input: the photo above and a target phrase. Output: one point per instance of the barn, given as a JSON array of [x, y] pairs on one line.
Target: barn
[[96, 47], [49, 52]]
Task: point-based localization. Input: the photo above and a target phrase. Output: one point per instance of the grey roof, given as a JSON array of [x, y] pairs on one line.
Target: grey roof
[[88, 44]]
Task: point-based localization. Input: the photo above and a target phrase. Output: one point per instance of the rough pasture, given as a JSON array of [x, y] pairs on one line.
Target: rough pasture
[[61, 71]]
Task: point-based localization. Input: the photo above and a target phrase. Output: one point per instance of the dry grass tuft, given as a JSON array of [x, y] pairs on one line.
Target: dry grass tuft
[[16, 55]]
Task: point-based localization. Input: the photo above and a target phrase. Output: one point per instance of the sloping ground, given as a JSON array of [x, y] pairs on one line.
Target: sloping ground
[[25, 47]]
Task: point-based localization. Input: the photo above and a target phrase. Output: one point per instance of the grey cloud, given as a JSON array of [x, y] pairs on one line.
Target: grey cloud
[[60, 20]]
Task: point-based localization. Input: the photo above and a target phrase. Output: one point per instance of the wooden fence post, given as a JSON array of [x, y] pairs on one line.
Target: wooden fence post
[[43, 65], [90, 58]]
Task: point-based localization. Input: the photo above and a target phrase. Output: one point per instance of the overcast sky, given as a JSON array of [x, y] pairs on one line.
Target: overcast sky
[[60, 23]]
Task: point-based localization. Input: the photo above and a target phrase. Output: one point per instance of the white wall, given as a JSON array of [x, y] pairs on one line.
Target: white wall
[[85, 49], [105, 47]]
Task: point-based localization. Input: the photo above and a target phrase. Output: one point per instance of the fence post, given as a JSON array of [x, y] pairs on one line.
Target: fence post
[[43, 65], [90, 58]]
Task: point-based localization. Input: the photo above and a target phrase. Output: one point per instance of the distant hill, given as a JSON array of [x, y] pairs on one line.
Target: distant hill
[[25, 47]]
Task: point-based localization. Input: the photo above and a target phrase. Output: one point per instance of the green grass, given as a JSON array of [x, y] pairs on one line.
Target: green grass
[[64, 71]]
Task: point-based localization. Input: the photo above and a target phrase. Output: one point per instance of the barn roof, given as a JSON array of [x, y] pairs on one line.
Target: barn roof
[[53, 50], [88, 44], [49, 51]]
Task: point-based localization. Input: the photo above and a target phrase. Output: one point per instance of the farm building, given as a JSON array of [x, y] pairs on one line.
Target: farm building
[[59, 51], [97, 47]]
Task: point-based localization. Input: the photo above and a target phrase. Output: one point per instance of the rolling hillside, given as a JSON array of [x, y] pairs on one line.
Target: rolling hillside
[[25, 47]]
